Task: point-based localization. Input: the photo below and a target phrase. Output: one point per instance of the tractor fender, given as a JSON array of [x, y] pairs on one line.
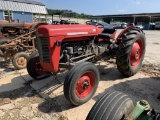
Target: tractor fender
[[119, 37]]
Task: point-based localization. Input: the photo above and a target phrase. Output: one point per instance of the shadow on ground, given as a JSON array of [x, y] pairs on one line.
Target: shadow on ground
[[6, 66], [137, 88], [59, 103], [11, 89]]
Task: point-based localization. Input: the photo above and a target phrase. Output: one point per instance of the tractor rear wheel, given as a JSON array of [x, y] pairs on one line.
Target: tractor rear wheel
[[111, 106], [19, 60], [81, 83], [34, 68], [131, 51]]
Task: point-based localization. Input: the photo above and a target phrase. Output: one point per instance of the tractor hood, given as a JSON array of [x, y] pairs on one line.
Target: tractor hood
[[68, 30]]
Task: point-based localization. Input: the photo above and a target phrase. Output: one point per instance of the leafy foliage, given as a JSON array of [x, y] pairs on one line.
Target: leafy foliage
[[67, 13]]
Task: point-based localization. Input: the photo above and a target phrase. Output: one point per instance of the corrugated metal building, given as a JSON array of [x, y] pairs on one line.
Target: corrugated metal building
[[147, 19], [21, 10]]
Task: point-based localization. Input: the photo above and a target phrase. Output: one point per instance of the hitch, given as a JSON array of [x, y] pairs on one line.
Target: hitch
[[143, 111], [141, 106]]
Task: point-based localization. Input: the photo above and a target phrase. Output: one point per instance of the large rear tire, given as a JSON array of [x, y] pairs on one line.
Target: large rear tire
[[81, 83], [131, 52], [111, 106]]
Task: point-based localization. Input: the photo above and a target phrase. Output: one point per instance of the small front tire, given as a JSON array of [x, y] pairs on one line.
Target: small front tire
[[81, 83], [19, 60]]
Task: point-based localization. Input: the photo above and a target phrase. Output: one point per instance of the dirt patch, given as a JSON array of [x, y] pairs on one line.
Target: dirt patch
[[23, 104], [151, 70], [7, 97], [6, 65]]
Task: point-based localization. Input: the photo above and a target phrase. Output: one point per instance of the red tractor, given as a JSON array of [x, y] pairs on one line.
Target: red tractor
[[75, 47]]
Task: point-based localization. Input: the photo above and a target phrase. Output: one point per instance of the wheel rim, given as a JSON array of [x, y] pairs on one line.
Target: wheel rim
[[85, 84], [38, 67], [136, 53], [21, 62]]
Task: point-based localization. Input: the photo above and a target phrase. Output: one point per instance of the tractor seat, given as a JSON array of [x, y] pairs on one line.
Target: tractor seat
[[110, 31]]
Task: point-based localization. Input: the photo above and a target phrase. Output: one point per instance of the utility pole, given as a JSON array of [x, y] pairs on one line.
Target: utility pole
[[134, 19], [150, 18]]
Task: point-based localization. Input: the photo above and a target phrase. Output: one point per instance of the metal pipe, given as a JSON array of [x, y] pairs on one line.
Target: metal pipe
[[85, 59], [81, 56], [23, 35], [66, 65], [61, 56], [72, 64], [7, 45]]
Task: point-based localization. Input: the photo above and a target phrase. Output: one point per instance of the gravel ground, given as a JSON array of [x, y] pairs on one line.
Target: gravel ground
[[22, 104]]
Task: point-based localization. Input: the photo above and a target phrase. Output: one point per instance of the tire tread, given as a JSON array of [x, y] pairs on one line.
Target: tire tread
[[110, 105], [123, 53]]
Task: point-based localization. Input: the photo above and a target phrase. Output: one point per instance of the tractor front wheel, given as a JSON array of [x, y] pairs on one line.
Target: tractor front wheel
[[81, 83], [34, 68], [131, 52]]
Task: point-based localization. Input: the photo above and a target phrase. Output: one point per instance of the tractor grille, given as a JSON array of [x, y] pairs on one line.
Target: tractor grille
[[43, 49]]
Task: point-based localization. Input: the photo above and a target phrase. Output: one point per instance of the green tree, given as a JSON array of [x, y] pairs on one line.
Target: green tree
[[67, 13]]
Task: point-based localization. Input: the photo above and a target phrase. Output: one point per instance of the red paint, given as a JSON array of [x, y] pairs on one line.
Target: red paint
[[113, 35], [136, 53], [27, 25], [63, 30], [53, 66], [119, 38], [85, 84], [39, 69], [77, 39]]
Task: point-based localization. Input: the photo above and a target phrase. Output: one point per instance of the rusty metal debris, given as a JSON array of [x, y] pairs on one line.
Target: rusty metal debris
[[24, 43]]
